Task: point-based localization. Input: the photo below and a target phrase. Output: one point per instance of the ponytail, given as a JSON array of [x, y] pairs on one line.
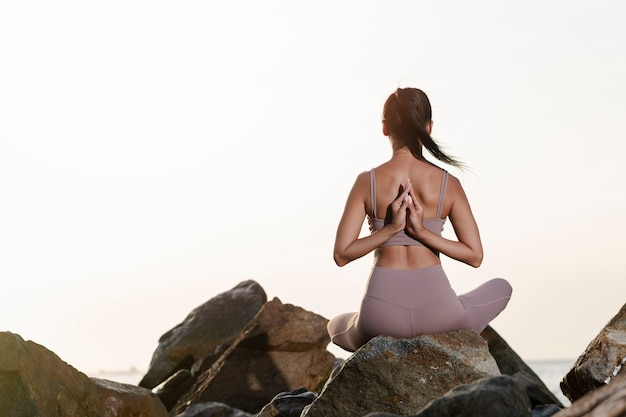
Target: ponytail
[[407, 112]]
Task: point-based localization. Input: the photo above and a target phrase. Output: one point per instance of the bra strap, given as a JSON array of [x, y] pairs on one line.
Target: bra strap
[[373, 192], [442, 191]]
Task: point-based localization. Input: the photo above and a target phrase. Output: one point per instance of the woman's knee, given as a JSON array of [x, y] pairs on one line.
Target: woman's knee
[[503, 286]]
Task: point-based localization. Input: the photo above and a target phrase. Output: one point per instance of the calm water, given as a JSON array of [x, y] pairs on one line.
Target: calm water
[[551, 373]]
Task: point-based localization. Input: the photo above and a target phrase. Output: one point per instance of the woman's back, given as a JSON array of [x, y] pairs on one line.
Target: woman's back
[[426, 180]]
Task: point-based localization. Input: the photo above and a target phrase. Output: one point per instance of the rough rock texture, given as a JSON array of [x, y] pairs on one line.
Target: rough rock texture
[[283, 348], [204, 331], [608, 401], [403, 375], [174, 387], [124, 400], [36, 382], [546, 410], [511, 364], [213, 409], [536, 391], [602, 360], [288, 404], [495, 396]]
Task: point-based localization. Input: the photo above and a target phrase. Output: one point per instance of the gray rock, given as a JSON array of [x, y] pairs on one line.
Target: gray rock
[[204, 331], [212, 409], [402, 376], [283, 348], [288, 404], [36, 382], [498, 396], [510, 363], [170, 390], [545, 410], [536, 391], [489, 397], [607, 401], [602, 360], [202, 365], [125, 400]]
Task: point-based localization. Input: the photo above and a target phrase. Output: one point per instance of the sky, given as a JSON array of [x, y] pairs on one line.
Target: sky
[[154, 154]]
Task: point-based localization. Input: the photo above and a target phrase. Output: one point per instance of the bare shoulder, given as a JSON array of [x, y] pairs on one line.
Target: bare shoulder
[[454, 185], [363, 179], [454, 195], [361, 185], [358, 196]]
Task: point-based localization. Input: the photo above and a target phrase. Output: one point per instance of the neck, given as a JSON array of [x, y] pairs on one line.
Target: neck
[[403, 150]]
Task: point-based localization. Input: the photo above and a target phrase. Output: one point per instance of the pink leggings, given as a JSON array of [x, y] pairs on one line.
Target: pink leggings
[[406, 303]]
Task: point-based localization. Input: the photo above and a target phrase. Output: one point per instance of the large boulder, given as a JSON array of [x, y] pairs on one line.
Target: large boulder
[[403, 375], [125, 400], [537, 393], [607, 401], [209, 328], [283, 348], [213, 409], [174, 387], [510, 363], [288, 404], [36, 382], [602, 360], [494, 396]]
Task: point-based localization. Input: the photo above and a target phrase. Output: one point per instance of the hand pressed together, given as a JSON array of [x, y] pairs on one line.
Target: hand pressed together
[[399, 208], [407, 213], [415, 217]]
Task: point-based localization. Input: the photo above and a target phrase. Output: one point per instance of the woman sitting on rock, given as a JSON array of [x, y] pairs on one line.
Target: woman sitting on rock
[[406, 201]]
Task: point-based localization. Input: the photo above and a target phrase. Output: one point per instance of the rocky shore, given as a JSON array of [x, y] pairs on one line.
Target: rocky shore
[[242, 355]]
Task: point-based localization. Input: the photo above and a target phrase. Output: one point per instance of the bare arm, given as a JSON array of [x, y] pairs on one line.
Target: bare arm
[[468, 248], [348, 245]]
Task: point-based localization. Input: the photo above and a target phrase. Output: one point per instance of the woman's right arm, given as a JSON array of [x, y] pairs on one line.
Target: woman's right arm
[[348, 245]]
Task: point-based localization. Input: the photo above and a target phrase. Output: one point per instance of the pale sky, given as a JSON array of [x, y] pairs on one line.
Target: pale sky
[[154, 154]]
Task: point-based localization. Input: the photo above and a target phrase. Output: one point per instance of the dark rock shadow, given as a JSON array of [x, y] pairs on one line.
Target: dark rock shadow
[[245, 378]]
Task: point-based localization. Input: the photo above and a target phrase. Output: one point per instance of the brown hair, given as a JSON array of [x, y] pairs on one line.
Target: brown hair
[[407, 112]]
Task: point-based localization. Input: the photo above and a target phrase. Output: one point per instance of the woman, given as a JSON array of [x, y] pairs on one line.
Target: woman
[[406, 201]]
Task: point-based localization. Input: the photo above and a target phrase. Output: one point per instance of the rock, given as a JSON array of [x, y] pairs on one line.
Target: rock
[[212, 409], [377, 414], [202, 365], [124, 400], [288, 404], [545, 410], [174, 387], [283, 348], [607, 401], [602, 360], [402, 376], [204, 331], [36, 382], [511, 364], [536, 391], [494, 396]]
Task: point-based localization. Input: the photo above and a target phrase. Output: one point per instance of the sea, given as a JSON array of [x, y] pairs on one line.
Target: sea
[[551, 373]]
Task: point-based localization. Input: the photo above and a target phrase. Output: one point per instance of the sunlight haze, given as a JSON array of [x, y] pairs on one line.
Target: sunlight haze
[[154, 154]]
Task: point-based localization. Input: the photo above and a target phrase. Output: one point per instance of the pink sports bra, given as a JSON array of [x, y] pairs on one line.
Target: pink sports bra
[[402, 238]]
